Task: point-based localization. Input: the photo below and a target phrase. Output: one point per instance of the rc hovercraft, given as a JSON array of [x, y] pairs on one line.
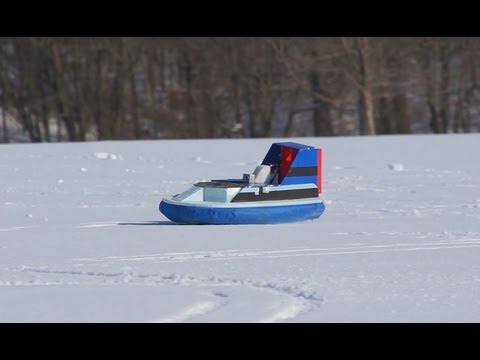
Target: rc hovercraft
[[284, 188]]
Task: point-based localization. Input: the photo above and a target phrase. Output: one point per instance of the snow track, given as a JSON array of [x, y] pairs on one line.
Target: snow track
[[293, 300], [276, 254], [194, 310], [14, 228]]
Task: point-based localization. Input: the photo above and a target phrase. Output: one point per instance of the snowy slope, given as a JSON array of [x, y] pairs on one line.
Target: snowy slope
[[82, 240]]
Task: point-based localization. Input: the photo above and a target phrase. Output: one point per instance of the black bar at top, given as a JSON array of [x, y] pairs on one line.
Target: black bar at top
[[302, 171]]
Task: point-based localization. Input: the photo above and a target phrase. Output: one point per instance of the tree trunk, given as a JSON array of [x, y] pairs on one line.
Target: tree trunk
[[321, 117], [401, 114], [236, 104], [152, 85], [98, 112], [366, 115], [444, 87], [194, 126], [435, 123], [366, 92], [80, 82], [251, 115], [384, 119], [4, 125], [289, 128], [134, 106], [459, 117], [366, 98], [29, 125], [63, 104], [44, 115], [267, 117], [431, 89], [59, 129]]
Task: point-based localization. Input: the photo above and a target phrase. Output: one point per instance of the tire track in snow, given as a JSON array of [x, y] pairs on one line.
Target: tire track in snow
[[178, 279], [234, 254], [287, 312], [97, 225], [36, 283], [301, 299], [197, 309], [174, 256], [14, 228]]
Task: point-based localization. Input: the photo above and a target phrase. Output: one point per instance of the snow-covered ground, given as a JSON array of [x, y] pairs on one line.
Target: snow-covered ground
[[82, 240]]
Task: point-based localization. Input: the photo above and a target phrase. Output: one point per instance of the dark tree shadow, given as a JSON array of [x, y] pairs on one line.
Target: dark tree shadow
[[149, 223]]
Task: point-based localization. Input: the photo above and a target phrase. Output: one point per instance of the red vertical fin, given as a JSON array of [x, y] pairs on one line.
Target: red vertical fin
[[288, 155], [319, 170], [286, 161]]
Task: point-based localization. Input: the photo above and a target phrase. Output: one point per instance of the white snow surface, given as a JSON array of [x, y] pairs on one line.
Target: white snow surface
[[82, 240]]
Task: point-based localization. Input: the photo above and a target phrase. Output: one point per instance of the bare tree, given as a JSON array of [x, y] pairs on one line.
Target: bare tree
[[134, 88], [359, 68]]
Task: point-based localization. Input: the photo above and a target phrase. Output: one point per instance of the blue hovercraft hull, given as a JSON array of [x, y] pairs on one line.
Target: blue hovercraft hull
[[267, 213]]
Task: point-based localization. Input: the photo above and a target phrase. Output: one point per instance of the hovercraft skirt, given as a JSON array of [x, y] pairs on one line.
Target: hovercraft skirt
[[187, 213]]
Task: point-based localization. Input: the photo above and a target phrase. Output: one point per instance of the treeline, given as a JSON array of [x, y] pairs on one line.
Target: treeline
[[77, 89]]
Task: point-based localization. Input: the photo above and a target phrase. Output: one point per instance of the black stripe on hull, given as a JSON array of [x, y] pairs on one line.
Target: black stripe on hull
[[303, 171], [276, 195], [219, 184]]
